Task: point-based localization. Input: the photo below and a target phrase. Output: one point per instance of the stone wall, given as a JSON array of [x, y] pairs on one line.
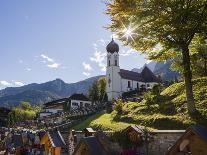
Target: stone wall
[[162, 140]]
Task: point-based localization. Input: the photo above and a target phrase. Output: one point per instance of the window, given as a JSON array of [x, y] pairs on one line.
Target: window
[[137, 85], [109, 63], [75, 104], [129, 84], [148, 85], [116, 63]]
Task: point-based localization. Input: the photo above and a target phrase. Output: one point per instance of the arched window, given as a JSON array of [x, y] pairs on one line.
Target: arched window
[[109, 63], [137, 85], [129, 84], [116, 63]]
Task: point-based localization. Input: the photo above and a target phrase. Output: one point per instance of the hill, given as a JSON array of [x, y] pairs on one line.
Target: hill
[[40, 93], [170, 112]]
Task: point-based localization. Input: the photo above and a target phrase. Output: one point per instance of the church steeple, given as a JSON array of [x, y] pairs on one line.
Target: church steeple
[[112, 46], [112, 72]]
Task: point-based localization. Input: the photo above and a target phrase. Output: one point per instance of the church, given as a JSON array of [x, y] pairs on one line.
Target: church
[[120, 80]]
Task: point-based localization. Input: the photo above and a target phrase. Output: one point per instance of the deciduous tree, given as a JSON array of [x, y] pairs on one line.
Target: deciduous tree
[[159, 28]]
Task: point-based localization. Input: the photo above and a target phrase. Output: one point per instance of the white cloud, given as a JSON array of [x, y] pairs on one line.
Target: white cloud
[[17, 83], [127, 52], [87, 66], [20, 61], [54, 65], [5, 83], [103, 69], [28, 69], [47, 58], [86, 73], [50, 62], [99, 58]]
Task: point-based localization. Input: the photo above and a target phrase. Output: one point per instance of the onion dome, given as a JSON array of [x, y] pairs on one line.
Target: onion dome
[[112, 47]]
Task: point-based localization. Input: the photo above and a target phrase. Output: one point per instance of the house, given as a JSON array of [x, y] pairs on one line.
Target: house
[[120, 80], [89, 146], [54, 107], [193, 141], [77, 101], [53, 142]]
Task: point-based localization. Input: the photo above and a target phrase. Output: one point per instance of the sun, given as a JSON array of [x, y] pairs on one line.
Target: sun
[[128, 32]]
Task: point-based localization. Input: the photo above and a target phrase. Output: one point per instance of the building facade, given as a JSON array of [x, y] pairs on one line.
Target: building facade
[[120, 80]]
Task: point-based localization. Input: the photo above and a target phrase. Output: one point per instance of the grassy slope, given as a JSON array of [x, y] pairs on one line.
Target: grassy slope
[[172, 114]]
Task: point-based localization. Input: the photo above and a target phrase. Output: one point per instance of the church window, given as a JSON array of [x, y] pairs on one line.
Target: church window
[[116, 63], [137, 85], [129, 84], [109, 63]]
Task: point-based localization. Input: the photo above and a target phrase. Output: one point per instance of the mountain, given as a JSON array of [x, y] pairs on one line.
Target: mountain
[[163, 69], [150, 65], [41, 93], [160, 68]]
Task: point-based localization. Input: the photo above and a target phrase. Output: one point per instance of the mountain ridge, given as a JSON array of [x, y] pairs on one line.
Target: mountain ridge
[[51, 90]]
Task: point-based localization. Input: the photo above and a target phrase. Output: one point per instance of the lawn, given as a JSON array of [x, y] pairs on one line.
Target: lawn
[[102, 121]]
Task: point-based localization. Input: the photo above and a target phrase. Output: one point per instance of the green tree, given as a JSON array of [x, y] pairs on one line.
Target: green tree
[[102, 89], [94, 93], [159, 28]]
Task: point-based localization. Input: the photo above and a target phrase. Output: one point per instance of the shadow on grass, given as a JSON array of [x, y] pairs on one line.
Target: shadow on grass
[[199, 118], [165, 123]]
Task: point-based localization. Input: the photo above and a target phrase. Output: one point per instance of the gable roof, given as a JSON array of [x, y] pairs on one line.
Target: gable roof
[[135, 128], [145, 76], [126, 74], [148, 75], [56, 102], [93, 145], [200, 131], [79, 97], [196, 129], [56, 138]]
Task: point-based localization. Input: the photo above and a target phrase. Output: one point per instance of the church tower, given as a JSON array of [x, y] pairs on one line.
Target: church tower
[[113, 87]]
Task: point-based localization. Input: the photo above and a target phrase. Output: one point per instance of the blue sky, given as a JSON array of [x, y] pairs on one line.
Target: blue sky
[[45, 40]]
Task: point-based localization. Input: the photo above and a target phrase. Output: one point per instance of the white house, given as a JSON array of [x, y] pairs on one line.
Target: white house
[[54, 106], [120, 80], [79, 101]]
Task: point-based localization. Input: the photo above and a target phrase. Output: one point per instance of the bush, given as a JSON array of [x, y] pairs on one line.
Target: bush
[[118, 106], [149, 99]]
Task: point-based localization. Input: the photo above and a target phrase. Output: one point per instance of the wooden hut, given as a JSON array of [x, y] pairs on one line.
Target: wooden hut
[[134, 133], [193, 141], [53, 142]]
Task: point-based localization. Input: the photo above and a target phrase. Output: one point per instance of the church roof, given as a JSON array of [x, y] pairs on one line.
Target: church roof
[[148, 75], [126, 74], [112, 47], [145, 76]]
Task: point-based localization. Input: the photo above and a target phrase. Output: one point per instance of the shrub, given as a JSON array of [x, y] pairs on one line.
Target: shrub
[[149, 99], [118, 106]]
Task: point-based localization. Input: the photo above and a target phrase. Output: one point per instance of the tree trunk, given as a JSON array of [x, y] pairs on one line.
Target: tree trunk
[[205, 67], [188, 82]]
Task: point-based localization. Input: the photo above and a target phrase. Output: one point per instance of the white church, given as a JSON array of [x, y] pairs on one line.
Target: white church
[[120, 80]]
